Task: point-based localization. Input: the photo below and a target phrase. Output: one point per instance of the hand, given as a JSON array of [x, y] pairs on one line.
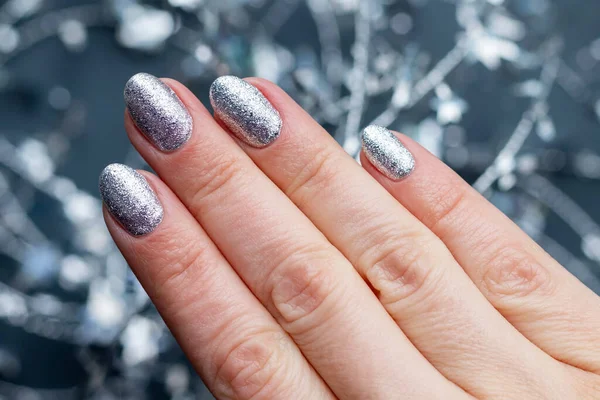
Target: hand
[[286, 270]]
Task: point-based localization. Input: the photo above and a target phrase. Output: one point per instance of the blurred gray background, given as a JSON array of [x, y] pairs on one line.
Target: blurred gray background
[[507, 92]]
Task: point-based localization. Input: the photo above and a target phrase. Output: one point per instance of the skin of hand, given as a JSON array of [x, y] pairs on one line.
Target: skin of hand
[[287, 270]]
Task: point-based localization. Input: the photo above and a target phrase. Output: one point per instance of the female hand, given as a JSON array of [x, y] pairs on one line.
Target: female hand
[[286, 270]]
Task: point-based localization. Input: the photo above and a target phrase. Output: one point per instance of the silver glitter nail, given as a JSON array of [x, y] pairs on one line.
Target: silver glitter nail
[[387, 153], [245, 111], [130, 199], [158, 112]]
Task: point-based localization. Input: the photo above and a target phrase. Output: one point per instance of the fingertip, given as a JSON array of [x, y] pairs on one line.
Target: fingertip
[[413, 145], [298, 127], [387, 153], [191, 101], [263, 83], [165, 195], [275, 94]]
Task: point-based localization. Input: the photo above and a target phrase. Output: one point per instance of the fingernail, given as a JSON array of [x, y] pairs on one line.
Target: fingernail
[[387, 153], [130, 199], [245, 111], [158, 112]]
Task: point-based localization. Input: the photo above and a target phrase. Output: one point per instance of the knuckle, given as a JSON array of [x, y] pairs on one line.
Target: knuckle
[[215, 176], [300, 286], [250, 368], [398, 269], [182, 261], [318, 173], [446, 201], [513, 273]]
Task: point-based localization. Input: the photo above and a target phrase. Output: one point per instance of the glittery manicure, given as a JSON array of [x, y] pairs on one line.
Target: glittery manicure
[[245, 111], [130, 199], [158, 112], [387, 153]]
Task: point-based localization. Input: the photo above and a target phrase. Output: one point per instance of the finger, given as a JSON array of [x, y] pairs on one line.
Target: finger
[[414, 274], [536, 294], [229, 337], [303, 281]]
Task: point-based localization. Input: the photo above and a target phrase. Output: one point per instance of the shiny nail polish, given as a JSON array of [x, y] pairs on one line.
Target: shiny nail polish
[[387, 153], [158, 112], [245, 111], [130, 199]]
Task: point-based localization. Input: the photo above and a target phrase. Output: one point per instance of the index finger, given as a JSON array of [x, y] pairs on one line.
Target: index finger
[[231, 340]]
